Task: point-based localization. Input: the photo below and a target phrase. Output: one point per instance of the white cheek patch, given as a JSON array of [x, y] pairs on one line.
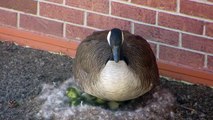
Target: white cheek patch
[[122, 37], [108, 37]]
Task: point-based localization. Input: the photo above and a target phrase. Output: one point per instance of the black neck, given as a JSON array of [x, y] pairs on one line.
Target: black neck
[[122, 57]]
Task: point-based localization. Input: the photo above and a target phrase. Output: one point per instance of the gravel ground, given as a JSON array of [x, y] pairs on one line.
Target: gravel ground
[[24, 71]]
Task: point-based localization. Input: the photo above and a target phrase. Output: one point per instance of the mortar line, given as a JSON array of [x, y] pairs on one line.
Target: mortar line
[[18, 20], [181, 48], [205, 61], [85, 18], [178, 6], [180, 39], [38, 8], [156, 18], [110, 7], [132, 28], [64, 2], [203, 2], [157, 51], [204, 30], [64, 30]]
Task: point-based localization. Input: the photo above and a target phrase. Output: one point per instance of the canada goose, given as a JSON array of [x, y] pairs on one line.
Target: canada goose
[[115, 65]]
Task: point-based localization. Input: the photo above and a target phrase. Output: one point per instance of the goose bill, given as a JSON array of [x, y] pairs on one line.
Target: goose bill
[[116, 53]]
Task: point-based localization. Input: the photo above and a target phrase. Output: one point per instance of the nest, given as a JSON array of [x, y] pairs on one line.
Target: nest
[[157, 104]]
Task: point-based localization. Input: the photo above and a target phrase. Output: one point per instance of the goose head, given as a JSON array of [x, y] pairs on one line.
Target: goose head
[[115, 40]]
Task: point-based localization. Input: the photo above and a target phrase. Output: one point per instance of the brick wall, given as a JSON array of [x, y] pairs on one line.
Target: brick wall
[[179, 31]]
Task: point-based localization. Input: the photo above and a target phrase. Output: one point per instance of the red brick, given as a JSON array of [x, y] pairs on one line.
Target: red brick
[[9, 18], [94, 5], [61, 13], [77, 33], [157, 34], [105, 22], [181, 23], [135, 13], [56, 1], [160, 4], [194, 8], [210, 63], [178, 56], [28, 6], [210, 0], [154, 48], [41, 25], [209, 29], [197, 43]]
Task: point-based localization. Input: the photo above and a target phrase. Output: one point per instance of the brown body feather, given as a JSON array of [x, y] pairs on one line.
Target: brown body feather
[[94, 52]]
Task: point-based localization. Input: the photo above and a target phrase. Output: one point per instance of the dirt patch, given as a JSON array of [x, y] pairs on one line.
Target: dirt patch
[[22, 73], [25, 71], [194, 102]]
